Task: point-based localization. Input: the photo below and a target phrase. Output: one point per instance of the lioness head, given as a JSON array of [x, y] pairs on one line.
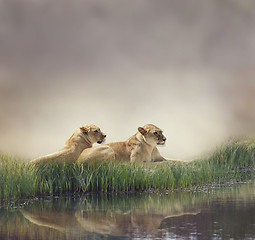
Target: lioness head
[[152, 134], [93, 133]]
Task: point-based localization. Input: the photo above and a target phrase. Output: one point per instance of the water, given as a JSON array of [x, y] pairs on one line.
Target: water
[[215, 213]]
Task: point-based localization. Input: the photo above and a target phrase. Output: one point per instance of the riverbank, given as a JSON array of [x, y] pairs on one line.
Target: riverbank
[[234, 160]]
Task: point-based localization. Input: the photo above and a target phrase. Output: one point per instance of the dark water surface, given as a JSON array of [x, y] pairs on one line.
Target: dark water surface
[[216, 213]]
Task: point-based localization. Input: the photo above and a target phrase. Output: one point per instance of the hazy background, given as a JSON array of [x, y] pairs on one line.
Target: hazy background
[[185, 65]]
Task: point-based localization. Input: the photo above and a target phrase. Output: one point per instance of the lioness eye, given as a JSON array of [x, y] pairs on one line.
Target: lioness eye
[[156, 133], [96, 131]]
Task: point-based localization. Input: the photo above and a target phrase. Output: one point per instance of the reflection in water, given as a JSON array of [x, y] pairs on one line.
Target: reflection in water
[[219, 213], [129, 215]]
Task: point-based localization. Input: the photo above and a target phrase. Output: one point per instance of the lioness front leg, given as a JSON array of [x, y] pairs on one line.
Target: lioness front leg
[[156, 157]]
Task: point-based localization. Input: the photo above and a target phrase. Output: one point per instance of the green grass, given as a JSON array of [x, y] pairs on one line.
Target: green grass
[[233, 160]]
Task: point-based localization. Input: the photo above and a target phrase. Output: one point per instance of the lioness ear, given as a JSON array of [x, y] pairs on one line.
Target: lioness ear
[[142, 130], [84, 130]]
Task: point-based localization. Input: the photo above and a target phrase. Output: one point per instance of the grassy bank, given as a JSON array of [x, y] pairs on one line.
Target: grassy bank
[[234, 160]]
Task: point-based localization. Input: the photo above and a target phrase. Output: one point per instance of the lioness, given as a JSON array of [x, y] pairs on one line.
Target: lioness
[[84, 137], [141, 147]]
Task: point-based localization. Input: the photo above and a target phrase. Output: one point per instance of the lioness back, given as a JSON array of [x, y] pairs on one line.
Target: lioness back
[[121, 151], [96, 154]]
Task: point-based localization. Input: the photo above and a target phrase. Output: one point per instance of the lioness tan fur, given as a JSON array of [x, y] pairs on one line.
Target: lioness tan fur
[[141, 147], [83, 138]]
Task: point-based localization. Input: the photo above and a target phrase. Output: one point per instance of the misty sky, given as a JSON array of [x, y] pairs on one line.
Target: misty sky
[[186, 66]]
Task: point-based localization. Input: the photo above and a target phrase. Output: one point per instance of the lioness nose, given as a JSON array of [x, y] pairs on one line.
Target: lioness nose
[[164, 139], [104, 136]]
